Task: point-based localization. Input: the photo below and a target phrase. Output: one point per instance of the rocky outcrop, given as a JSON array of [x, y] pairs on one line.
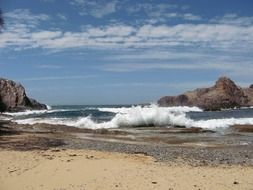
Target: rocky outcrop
[[249, 93], [242, 128], [13, 97], [224, 94]]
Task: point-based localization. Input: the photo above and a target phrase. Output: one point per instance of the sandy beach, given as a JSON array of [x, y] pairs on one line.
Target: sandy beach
[[58, 169], [47, 157], [126, 95]]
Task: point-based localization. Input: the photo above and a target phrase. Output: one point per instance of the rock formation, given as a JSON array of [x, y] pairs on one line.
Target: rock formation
[[249, 93], [224, 94], [13, 97]]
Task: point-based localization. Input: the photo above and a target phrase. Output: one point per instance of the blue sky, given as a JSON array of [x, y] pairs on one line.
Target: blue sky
[[121, 52]]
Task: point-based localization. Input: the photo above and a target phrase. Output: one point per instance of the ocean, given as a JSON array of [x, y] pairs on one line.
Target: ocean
[[130, 116]]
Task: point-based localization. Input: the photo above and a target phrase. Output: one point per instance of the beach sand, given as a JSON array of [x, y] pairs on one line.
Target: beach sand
[[60, 169]]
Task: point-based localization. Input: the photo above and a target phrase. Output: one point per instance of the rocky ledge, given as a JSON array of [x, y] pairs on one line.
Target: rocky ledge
[[223, 95], [13, 98]]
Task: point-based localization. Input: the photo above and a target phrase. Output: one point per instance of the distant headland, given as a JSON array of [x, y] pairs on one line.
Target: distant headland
[[13, 98], [224, 94]]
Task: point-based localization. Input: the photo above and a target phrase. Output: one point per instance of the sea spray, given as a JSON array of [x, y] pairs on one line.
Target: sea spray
[[123, 117], [135, 116]]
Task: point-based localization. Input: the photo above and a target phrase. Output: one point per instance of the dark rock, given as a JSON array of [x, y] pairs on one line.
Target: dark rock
[[224, 94], [243, 128], [249, 93], [72, 155], [13, 97]]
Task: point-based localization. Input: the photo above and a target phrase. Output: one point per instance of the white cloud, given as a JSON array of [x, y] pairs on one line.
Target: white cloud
[[228, 66], [161, 13], [20, 34], [45, 35], [155, 12], [233, 19], [190, 16], [61, 16], [149, 8], [96, 9], [112, 30], [123, 36], [161, 55], [24, 16], [159, 17]]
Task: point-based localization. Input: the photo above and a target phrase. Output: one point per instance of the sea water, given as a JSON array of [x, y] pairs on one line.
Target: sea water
[[116, 116]]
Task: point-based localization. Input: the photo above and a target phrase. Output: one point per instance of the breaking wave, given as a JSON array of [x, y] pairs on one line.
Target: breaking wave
[[152, 107], [49, 107], [141, 116]]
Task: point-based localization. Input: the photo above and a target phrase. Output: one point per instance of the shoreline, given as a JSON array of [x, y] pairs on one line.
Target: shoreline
[[194, 147], [47, 157]]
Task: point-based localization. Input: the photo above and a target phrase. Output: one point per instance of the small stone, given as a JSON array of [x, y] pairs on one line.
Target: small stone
[[236, 182], [154, 182], [55, 150]]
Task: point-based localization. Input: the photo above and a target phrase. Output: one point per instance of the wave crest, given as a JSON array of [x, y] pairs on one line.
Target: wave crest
[[143, 116]]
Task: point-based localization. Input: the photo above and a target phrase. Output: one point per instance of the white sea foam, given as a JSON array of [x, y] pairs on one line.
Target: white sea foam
[[48, 107], [150, 108], [27, 112], [221, 123], [33, 112], [143, 116], [235, 108], [5, 118]]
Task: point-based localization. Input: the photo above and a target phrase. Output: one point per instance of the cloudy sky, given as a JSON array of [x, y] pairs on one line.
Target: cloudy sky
[[124, 51]]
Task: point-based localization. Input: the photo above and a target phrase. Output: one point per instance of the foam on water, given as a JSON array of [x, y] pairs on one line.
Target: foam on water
[[49, 107], [32, 112], [142, 116], [27, 112], [150, 107]]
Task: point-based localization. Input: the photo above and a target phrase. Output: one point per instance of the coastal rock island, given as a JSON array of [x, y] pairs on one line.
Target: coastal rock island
[[223, 95], [13, 98]]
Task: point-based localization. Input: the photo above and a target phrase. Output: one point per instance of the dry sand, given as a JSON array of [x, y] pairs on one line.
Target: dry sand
[[88, 170]]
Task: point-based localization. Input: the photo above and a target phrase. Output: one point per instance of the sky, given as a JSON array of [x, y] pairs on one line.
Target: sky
[[124, 51]]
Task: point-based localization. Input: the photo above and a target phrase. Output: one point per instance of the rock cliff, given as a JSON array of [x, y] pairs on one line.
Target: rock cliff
[[224, 94], [13, 97], [249, 93]]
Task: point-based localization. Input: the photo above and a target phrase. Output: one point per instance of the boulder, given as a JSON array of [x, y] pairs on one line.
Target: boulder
[[223, 95], [13, 97]]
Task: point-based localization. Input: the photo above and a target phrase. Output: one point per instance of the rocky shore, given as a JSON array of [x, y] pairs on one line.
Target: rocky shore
[[70, 158], [224, 94], [192, 146]]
